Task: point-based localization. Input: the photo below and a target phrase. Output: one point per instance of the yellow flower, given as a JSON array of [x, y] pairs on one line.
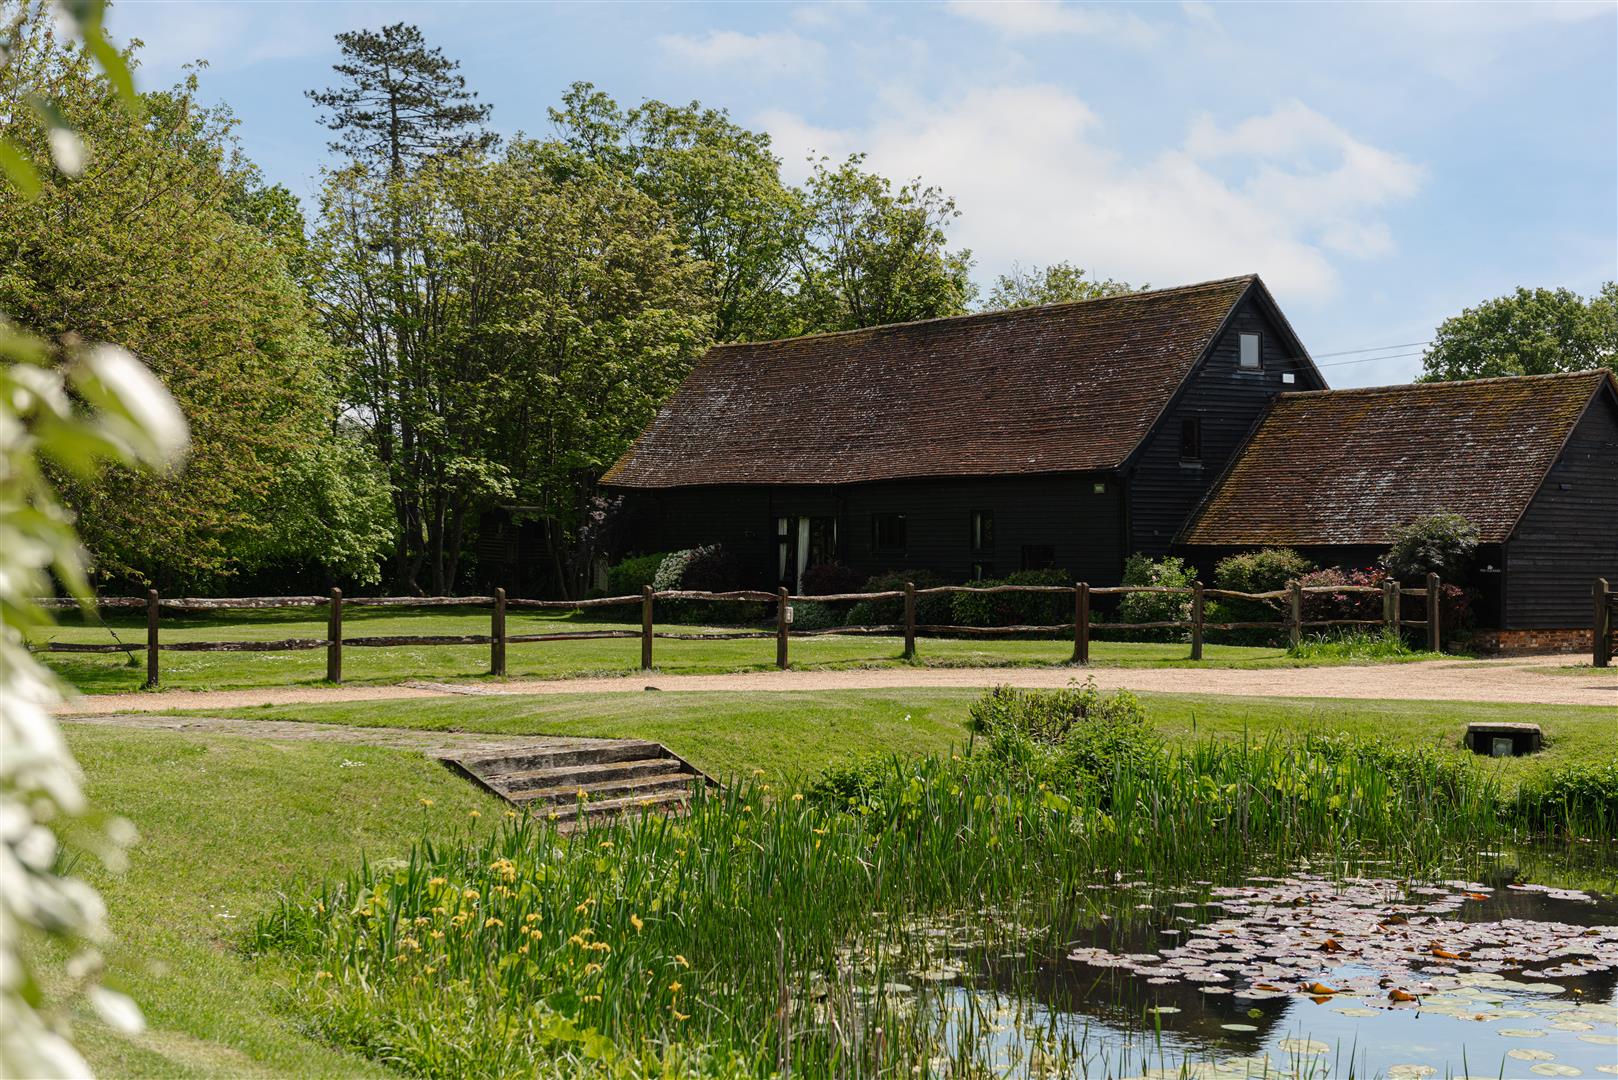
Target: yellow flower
[[635, 921], [532, 916], [437, 935], [426, 802], [492, 921], [582, 906], [511, 813], [674, 987], [582, 795], [591, 997], [591, 968], [678, 1015], [523, 949], [797, 796], [682, 961], [758, 772], [322, 975], [470, 894], [437, 882], [474, 814]]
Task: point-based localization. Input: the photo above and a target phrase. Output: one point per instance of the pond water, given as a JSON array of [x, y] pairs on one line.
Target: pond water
[[1293, 976]]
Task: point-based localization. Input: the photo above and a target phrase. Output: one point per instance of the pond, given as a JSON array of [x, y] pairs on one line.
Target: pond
[[1299, 975]]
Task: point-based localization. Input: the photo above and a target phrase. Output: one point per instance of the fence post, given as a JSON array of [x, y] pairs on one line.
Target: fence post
[[1397, 603], [497, 636], [151, 639], [646, 628], [781, 625], [910, 620], [1196, 620], [1081, 623], [1601, 628], [1435, 630], [334, 637], [1295, 614], [1390, 608]]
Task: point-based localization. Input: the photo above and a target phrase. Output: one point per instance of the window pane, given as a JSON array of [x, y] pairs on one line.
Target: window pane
[[1191, 439], [1250, 354], [982, 530]]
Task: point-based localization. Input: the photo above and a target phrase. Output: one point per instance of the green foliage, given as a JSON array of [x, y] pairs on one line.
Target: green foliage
[[1576, 801], [810, 615], [1352, 643], [1064, 737], [720, 185], [402, 103], [632, 575], [163, 255], [535, 325], [1015, 609], [1261, 571], [933, 610], [1057, 283], [1168, 572], [873, 255], [1441, 544], [1529, 332]]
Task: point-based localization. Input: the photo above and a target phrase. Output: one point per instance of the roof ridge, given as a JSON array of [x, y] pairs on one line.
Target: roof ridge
[[1001, 312], [1447, 383]]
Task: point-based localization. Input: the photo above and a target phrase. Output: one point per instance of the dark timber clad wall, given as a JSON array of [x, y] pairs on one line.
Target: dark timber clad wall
[[1568, 536], [1063, 512], [1162, 492]]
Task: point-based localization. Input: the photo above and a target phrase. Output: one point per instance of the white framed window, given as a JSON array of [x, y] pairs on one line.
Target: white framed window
[[1251, 355]]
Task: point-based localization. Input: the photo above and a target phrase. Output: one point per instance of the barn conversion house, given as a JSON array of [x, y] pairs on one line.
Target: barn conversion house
[[1072, 435], [1531, 462], [1067, 435]]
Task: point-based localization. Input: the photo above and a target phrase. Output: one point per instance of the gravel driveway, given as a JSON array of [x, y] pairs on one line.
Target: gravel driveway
[[1512, 679]]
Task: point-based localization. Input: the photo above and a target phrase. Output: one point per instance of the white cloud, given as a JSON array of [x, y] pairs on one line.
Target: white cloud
[[1038, 18], [778, 51], [823, 13], [1284, 193]]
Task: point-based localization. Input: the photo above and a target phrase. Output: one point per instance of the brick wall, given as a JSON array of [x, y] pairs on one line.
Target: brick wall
[[1532, 641]]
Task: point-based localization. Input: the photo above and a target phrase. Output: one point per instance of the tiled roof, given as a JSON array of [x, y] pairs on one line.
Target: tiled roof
[[1351, 466], [1057, 388]]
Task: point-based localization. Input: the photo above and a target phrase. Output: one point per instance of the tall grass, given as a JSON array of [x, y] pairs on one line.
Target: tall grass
[[756, 934]]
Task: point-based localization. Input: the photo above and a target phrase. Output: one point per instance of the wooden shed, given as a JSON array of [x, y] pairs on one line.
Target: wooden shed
[[1531, 461]]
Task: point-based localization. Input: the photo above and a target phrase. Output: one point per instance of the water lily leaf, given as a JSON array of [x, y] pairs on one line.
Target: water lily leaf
[[1238, 1027], [1521, 1033], [1551, 1068], [1522, 1053], [1303, 1046]]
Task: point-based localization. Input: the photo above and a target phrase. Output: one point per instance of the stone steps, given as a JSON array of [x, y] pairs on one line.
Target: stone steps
[[615, 776]]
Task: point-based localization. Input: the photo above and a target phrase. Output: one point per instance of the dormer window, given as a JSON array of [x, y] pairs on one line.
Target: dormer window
[[1251, 356]]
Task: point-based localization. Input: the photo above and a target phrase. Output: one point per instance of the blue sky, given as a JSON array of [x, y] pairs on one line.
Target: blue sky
[[1381, 165]]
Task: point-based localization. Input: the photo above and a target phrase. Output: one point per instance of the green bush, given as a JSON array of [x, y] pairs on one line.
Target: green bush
[[632, 575], [811, 615], [1064, 737], [1263, 570], [1441, 544], [1352, 643], [1169, 572], [1574, 801], [1013, 609], [710, 568], [929, 609]]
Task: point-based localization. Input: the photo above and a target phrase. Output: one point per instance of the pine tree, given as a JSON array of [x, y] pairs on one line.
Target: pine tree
[[402, 103]]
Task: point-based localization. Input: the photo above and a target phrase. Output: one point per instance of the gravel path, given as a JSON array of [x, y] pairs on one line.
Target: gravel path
[[1513, 679]]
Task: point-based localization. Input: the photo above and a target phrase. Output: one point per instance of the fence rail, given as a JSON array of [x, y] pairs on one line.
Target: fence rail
[[498, 638]]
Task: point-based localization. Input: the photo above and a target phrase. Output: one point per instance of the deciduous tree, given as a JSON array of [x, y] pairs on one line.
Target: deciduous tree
[[1053, 284], [1529, 332]]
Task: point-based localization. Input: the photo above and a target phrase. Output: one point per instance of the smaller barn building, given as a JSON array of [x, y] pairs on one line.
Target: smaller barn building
[[1532, 462]]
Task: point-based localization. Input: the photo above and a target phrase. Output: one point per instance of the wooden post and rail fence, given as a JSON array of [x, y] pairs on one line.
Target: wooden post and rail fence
[[1290, 599], [1604, 628]]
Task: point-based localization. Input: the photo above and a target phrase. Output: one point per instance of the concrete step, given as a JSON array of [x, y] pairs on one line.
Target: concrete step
[[666, 802], [566, 792], [527, 780], [549, 756]]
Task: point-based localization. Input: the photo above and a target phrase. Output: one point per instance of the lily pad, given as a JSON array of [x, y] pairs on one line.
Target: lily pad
[[1525, 1054], [1552, 1068]]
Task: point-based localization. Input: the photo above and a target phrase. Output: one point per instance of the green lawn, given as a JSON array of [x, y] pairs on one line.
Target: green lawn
[[227, 822], [115, 673], [790, 732]]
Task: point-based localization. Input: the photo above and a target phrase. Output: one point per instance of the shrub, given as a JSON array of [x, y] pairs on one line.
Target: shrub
[[671, 571], [711, 568], [1441, 544], [1065, 737], [1168, 571], [1013, 609], [826, 578], [809, 615], [1575, 800], [634, 574], [1343, 605], [929, 609], [1263, 570]]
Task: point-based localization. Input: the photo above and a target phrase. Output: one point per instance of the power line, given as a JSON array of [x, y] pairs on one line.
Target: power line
[[1369, 359], [1383, 348]]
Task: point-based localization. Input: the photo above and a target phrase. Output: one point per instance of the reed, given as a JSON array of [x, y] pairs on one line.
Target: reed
[[757, 935]]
